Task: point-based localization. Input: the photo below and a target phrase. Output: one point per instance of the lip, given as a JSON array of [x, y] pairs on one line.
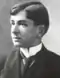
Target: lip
[[17, 38]]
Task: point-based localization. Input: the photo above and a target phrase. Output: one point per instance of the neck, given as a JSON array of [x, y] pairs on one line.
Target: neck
[[37, 42]]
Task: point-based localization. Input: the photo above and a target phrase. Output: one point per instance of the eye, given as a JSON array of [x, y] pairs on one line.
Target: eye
[[25, 25], [12, 22], [22, 23]]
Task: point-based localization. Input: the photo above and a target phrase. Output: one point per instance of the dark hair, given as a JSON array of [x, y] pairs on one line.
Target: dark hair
[[36, 11]]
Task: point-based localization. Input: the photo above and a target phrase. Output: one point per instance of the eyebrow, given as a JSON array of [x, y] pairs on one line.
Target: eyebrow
[[21, 21]]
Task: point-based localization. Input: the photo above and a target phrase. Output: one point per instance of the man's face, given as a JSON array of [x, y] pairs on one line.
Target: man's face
[[23, 31]]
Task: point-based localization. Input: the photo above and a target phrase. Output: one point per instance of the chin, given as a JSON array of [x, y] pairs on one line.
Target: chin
[[17, 44]]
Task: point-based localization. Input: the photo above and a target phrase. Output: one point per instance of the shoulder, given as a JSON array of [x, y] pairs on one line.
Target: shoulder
[[52, 54], [51, 57], [48, 56], [8, 63], [48, 52], [48, 59], [11, 59]]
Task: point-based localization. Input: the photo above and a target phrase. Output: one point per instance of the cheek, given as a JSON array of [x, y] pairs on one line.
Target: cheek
[[23, 31], [12, 29], [32, 33], [27, 32]]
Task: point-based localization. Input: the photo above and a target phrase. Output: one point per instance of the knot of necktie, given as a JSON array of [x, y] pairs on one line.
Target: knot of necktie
[[24, 58]]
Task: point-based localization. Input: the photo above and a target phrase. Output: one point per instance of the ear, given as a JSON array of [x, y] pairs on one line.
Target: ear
[[41, 30]]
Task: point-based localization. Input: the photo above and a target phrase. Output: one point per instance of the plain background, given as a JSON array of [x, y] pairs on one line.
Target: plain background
[[51, 39]]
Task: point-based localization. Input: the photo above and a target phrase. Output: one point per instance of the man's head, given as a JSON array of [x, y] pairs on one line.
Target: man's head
[[29, 22]]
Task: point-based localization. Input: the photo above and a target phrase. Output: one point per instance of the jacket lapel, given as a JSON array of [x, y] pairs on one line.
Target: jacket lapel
[[12, 66], [17, 64]]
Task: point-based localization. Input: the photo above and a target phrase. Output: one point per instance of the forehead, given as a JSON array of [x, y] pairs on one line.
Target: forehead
[[19, 16]]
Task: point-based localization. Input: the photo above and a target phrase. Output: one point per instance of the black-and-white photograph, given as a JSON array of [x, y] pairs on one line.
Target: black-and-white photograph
[[29, 38]]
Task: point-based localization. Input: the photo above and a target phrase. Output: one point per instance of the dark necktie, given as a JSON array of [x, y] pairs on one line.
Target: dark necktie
[[28, 63], [24, 63]]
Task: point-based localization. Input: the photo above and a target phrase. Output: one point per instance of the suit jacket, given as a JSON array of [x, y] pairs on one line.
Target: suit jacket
[[46, 64]]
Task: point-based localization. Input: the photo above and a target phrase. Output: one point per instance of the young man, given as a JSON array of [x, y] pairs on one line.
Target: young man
[[29, 22]]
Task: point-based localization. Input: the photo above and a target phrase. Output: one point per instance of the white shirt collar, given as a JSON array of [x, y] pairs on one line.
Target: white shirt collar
[[32, 51]]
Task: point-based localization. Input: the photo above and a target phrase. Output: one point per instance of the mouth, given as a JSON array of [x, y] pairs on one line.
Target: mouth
[[17, 39]]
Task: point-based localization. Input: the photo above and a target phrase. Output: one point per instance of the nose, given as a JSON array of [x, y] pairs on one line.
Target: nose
[[16, 30]]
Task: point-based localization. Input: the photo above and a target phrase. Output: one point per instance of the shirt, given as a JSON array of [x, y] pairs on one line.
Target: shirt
[[32, 50]]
